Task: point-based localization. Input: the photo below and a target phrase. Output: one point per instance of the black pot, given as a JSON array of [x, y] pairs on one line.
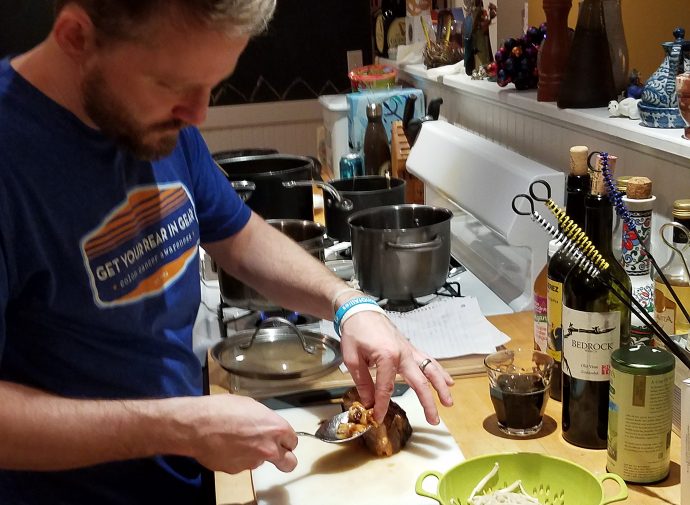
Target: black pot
[[248, 151], [258, 179], [308, 234], [401, 252], [364, 193]]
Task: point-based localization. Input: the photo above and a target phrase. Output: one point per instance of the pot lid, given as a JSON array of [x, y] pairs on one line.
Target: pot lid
[[278, 352]]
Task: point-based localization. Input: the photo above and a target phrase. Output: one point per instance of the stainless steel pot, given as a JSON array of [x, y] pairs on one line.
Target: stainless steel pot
[[401, 252], [308, 234], [364, 193], [258, 180], [344, 197]]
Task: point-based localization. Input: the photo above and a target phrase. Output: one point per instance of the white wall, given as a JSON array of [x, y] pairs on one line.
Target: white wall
[[290, 127]]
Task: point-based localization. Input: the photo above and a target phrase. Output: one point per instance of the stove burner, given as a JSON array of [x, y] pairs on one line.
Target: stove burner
[[232, 319], [402, 305], [449, 289], [293, 317]]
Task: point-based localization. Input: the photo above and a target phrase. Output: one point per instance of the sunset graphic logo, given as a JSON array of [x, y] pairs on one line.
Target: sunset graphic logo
[[142, 246]]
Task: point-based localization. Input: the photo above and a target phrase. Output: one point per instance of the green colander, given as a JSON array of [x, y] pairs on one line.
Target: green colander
[[553, 481]]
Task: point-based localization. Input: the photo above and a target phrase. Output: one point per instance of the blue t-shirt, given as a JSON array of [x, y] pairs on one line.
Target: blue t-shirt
[[99, 281]]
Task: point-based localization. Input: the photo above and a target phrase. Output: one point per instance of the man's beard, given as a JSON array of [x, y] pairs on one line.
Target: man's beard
[[111, 117]]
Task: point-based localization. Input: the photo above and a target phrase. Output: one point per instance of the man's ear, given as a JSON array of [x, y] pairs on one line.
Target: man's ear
[[74, 32]]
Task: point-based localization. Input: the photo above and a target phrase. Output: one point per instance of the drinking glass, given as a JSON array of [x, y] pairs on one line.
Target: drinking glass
[[519, 382]]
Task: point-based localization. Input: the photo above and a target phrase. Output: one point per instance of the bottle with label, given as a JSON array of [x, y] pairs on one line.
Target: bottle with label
[[377, 152], [577, 187], [540, 319], [595, 323], [666, 310], [640, 413], [639, 201], [389, 27]]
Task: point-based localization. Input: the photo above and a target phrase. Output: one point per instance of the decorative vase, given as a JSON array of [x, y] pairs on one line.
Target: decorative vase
[[553, 52], [588, 80], [618, 47], [637, 264], [659, 105], [683, 89]]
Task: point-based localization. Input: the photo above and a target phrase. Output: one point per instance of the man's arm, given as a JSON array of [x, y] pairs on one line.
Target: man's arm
[[277, 267], [41, 431]]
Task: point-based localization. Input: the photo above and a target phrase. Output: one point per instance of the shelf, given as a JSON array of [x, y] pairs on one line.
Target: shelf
[[664, 142]]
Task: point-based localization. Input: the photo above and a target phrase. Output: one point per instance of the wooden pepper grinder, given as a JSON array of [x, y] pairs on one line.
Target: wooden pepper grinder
[[554, 51]]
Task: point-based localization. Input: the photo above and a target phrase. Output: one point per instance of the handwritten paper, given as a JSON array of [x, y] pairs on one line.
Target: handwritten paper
[[445, 328]]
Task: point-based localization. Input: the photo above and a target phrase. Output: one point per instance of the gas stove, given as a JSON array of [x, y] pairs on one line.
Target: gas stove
[[217, 320]]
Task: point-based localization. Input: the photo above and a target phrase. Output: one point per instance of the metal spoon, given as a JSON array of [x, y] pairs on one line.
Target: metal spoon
[[327, 432]]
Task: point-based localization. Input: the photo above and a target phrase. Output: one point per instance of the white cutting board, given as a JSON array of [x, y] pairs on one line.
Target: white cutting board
[[349, 474]]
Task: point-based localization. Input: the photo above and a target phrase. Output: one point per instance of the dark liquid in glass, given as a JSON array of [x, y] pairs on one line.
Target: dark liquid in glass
[[519, 400]]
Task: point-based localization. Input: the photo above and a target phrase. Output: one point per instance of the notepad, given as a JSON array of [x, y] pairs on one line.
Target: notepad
[[445, 328]]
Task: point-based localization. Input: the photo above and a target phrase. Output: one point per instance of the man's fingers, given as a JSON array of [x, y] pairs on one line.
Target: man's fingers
[[286, 461]]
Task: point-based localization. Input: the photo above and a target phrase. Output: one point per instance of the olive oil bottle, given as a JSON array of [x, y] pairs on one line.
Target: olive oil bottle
[[576, 189], [666, 311], [595, 323]]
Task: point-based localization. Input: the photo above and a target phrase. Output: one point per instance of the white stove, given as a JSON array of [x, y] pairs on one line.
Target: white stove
[[208, 329], [500, 253]]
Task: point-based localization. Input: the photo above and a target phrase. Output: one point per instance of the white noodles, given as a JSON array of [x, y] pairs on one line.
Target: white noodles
[[505, 496]]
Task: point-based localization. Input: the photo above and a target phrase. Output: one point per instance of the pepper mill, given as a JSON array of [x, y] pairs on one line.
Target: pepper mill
[[553, 53]]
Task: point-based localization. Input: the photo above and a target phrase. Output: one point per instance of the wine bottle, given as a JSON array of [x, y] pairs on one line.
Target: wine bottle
[[540, 308], [577, 187], [377, 152], [595, 323], [666, 311]]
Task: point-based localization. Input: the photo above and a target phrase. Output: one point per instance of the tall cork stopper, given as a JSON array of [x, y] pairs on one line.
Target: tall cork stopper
[[598, 186], [578, 160], [639, 188]]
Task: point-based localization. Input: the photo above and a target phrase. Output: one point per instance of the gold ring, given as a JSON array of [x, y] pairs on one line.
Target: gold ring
[[424, 364]]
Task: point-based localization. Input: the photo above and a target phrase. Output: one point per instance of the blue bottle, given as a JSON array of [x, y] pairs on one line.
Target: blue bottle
[[351, 165]]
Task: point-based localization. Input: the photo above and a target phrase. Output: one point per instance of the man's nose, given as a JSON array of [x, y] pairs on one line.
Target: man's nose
[[193, 109]]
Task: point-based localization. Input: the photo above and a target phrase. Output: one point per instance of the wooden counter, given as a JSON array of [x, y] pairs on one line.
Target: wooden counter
[[473, 424]]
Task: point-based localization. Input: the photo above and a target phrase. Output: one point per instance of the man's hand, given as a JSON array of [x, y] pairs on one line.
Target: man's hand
[[371, 339], [232, 433]]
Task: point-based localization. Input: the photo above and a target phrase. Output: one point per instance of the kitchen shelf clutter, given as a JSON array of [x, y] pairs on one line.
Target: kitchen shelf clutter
[[666, 140], [544, 133]]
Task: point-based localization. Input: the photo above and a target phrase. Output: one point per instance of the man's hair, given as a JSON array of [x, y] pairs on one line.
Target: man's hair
[[119, 19]]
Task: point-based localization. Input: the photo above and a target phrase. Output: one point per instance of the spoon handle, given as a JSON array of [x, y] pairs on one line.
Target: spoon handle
[[304, 433]]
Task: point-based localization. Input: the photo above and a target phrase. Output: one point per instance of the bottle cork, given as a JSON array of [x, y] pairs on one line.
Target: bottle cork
[[622, 183], [639, 188], [578, 160], [597, 175]]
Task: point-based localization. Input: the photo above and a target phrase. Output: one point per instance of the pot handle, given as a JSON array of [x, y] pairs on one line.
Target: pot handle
[[244, 189], [417, 246], [622, 493], [420, 480], [307, 347], [340, 202]]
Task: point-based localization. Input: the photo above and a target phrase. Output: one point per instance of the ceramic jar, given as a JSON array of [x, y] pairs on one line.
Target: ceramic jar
[[683, 90], [659, 105]]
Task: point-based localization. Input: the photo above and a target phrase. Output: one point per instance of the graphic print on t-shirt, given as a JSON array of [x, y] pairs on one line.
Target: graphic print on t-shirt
[[142, 246]]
